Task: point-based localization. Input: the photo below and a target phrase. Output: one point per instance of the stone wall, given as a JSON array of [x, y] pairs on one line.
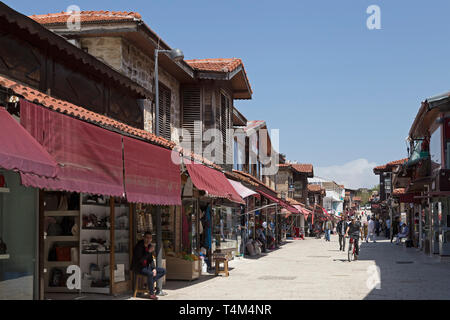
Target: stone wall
[[106, 49], [132, 62], [140, 68], [283, 181]]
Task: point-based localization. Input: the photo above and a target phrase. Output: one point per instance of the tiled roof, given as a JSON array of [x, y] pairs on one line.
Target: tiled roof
[[356, 199], [254, 124], [388, 166], [397, 162], [301, 168], [294, 202], [215, 65], [86, 17], [222, 65], [399, 191], [255, 180], [242, 178], [314, 188], [81, 113]]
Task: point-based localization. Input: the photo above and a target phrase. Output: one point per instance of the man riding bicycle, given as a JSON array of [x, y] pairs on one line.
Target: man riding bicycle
[[354, 230]]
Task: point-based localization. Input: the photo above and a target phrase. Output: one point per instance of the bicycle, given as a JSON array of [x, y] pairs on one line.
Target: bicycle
[[351, 250]]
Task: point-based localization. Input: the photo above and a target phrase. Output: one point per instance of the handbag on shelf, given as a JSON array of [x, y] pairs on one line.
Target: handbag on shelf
[[63, 254]]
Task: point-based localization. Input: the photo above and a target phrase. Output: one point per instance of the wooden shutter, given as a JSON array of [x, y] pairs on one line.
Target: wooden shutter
[[225, 123], [164, 112], [192, 112]]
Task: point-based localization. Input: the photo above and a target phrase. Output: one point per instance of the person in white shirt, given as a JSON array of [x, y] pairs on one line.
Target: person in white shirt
[[371, 230]]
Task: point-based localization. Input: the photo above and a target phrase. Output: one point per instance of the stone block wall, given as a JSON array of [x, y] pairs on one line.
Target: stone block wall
[[132, 62], [106, 49], [140, 68]]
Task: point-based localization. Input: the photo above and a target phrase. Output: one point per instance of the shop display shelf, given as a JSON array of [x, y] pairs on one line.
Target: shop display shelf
[[62, 238], [67, 213], [51, 264], [94, 228], [60, 290], [104, 290], [93, 253], [4, 256], [4, 190]]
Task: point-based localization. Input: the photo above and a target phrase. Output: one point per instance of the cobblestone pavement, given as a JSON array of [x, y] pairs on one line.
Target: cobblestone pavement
[[315, 269]]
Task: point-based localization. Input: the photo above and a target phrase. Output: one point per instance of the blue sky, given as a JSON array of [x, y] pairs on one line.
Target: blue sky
[[342, 96]]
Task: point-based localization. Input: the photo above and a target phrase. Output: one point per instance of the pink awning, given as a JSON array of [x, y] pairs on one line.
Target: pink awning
[[20, 151], [303, 210], [279, 201], [242, 190], [90, 157], [212, 181], [151, 174]]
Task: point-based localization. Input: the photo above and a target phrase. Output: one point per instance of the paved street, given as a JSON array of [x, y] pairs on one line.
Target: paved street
[[315, 269]]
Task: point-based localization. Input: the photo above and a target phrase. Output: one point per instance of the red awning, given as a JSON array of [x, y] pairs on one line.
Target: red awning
[[151, 174], [303, 210], [19, 151], [90, 157], [212, 181], [280, 202]]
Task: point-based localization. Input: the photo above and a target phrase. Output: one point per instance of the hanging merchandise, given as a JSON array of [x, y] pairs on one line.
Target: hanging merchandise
[[2, 181], [208, 228], [63, 203]]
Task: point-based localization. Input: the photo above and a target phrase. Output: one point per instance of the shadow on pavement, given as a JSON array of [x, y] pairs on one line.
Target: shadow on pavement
[[404, 273]]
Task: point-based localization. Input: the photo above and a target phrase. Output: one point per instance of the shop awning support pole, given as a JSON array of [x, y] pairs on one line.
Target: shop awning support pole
[[159, 246]]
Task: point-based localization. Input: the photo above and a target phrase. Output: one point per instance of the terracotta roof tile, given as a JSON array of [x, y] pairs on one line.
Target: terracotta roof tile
[[241, 178], [216, 65], [294, 202], [254, 124], [314, 188], [388, 166], [86, 17], [396, 162], [222, 65], [399, 191], [255, 180], [301, 168]]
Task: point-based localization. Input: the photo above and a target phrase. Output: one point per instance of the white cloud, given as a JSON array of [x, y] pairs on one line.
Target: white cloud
[[354, 174]]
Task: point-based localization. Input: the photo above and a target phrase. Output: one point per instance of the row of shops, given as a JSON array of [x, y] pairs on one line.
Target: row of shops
[[416, 190], [77, 194], [82, 178]]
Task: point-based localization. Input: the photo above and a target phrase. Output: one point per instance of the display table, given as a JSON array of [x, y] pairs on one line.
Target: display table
[[180, 269]]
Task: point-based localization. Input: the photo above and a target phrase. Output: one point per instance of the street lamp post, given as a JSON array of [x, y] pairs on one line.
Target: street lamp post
[[176, 55]]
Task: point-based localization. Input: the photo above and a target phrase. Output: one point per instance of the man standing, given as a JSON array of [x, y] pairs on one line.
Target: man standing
[[143, 263], [388, 227], [327, 228], [341, 227], [371, 230], [395, 227]]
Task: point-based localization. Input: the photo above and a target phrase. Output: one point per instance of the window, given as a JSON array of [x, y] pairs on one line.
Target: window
[[192, 114], [164, 112]]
